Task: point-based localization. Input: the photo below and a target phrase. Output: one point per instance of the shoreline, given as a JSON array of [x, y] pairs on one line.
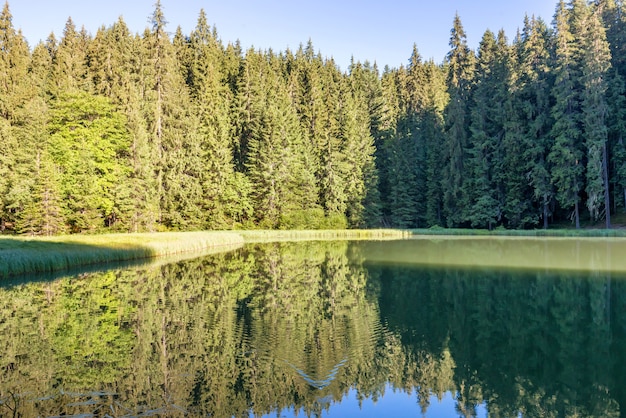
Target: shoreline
[[20, 256]]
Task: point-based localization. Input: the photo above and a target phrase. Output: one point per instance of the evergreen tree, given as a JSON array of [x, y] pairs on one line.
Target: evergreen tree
[[432, 124], [211, 97], [566, 153], [362, 198], [407, 170], [43, 214], [486, 131], [69, 70], [616, 127], [534, 94], [596, 61], [283, 187], [460, 61], [15, 93]]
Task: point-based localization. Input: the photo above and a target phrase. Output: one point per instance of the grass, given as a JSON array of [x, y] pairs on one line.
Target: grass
[[20, 256], [567, 233], [300, 235]]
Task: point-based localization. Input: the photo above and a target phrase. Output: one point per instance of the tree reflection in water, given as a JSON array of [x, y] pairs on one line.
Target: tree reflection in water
[[302, 327]]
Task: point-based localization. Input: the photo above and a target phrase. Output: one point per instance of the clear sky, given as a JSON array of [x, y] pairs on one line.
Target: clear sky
[[381, 31]]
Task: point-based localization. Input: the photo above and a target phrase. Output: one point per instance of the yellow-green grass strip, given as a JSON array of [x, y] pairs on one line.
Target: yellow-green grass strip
[[259, 236], [566, 232], [20, 255]]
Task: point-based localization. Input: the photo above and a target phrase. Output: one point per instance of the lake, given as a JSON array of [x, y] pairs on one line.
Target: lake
[[422, 328]]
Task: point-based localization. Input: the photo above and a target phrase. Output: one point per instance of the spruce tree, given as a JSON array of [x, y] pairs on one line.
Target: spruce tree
[[460, 62], [15, 93], [277, 155], [408, 165], [314, 87], [363, 200], [211, 101], [432, 124], [534, 93], [486, 129], [566, 154], [596, 61], [69, 70]]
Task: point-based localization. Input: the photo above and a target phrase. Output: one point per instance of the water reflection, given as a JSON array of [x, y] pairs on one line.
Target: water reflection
[[312, 329]]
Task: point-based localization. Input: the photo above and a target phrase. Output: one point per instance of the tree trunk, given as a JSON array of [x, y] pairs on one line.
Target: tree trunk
[[545, 215], [576, 215], [605, 178]]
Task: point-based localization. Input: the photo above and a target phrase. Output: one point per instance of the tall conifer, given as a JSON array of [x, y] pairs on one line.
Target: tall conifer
[[460, 61], [566, 153], [596, 61]]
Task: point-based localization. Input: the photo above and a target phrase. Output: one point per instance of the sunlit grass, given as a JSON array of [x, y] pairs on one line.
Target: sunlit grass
[[20, 255], [572, 233], [344, 234], [25, 255]]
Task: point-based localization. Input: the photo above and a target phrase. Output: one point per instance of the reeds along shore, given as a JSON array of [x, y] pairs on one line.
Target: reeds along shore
[[22, 255], [27, 255]]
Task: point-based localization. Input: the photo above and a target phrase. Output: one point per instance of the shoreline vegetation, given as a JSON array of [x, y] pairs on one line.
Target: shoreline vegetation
[[20, 256]]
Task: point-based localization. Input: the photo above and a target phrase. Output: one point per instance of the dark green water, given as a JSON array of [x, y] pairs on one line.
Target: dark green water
[[317, 329]]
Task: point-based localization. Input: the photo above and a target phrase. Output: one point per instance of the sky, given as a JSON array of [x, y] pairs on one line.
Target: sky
[[381, 31]]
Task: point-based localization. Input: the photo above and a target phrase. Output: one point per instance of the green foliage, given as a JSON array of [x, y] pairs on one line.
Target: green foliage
[[129, 132], [88, 142]]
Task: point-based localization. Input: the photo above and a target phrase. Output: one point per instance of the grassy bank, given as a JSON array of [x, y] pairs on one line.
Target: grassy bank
[[301, 235], [566, 233], [26, 255], [20, 255]]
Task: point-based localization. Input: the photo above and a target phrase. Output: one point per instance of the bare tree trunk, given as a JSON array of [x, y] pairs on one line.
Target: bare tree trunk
[[607, 197], [576, 215]]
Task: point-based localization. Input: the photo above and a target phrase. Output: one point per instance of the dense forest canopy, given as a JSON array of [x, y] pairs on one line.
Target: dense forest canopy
[[158, 131]]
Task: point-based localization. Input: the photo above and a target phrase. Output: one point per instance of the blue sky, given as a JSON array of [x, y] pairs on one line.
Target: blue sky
[[383, 31]]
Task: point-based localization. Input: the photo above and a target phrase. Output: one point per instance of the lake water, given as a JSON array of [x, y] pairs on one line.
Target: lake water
[[419, 328]]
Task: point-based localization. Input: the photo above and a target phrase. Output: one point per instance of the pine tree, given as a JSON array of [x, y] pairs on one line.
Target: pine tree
[[566, 153], [596, 61], [277, 155], [14, 95], [460, 61], [212, 98], [363, 200], [533, 90], [432, 125], [407, 174], [69, 70], [486, 129]]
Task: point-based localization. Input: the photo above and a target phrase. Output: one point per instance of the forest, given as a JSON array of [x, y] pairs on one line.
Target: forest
[[153, 131]]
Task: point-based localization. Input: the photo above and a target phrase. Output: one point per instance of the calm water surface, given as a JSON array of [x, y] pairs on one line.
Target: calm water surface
[[334, 329]]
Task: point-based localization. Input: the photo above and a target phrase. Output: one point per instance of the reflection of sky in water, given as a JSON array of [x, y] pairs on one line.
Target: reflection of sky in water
[[392, 404]]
